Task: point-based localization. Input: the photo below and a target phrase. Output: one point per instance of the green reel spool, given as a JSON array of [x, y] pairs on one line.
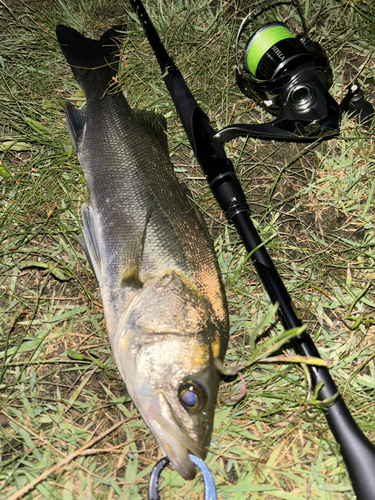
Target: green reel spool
[[270, 49]]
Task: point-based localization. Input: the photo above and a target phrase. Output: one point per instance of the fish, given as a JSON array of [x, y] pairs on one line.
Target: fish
[[163, 297]]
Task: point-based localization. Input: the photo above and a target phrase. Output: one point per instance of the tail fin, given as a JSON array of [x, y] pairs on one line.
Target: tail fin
[[94, 62]]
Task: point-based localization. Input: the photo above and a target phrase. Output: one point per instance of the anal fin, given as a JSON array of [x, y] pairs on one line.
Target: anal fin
[[90, 239], [75, 122]]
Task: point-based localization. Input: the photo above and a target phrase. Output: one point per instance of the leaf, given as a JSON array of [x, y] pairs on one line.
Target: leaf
[[60, 274], [307, 360], [66, 315], [262, 324], [36, 126], [68, 146], [81, 357], [79, 389], [15, 146], [77, 356], [33, 263], [271, 345], [4, 172]]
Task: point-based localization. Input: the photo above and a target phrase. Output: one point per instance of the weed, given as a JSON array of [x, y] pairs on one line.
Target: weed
[[68, 428]]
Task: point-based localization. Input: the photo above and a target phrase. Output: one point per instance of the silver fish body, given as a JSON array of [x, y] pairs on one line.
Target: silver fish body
[[163, 299]]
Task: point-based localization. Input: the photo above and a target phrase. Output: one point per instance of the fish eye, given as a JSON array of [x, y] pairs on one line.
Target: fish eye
[[192, 395]]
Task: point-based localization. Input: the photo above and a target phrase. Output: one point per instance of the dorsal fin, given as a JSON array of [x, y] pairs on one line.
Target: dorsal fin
[[157, 125]]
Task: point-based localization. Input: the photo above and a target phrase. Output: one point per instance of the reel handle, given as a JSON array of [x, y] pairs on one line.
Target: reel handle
[[356, 105], [307, 112], [303, 128]]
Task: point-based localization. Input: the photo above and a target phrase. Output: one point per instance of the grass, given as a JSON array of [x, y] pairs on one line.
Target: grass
[[68, 429]]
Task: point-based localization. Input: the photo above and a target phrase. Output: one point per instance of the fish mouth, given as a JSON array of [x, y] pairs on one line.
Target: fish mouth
[[173, 440]]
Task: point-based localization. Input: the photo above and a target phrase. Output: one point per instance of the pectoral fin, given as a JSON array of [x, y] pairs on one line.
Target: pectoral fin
[[133, 258], [130, 274]]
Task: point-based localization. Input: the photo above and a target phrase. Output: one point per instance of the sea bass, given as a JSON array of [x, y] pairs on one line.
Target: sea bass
[[163, 299]]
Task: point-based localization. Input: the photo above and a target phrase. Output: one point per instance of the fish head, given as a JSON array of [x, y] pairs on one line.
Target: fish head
[[165, 349], [180, 416]]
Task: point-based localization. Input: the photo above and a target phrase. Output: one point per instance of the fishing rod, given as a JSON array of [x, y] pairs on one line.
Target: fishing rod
[[357, 451]]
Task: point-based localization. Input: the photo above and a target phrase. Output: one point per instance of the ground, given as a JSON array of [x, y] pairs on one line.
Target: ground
[[62, 400]]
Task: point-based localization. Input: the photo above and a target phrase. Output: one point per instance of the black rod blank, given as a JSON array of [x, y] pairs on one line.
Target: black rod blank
[[357, 451]]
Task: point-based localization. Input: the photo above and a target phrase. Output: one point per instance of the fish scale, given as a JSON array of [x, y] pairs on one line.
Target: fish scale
[[125, 151], [163, 299], [183, 245]]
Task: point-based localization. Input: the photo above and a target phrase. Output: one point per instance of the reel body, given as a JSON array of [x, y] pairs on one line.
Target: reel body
[[289, 77]]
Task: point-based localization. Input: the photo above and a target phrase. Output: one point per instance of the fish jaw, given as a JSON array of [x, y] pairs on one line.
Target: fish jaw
[[176, 431], [172, 440]]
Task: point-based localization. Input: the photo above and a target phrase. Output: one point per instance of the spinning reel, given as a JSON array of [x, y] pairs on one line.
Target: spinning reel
[[290, 77]]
